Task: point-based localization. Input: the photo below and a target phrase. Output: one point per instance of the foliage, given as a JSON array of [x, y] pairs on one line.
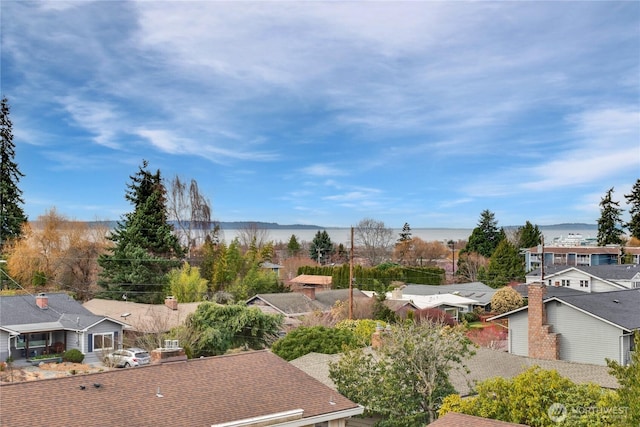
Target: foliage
[[321, 247], [610, 222], [528, 236], [489, 336], [506, 299], [406, 379], [145, 249], [12, 216], [373, 241], [526, 399], [485, 237], [314, 339], [434, 315], [293, 247], [362, 328], [629, 379], [73, 355], [471, 317], [506, 265], [471, 266], [186, 284], [367, 278], [633, 199], [58, 253], [405, 234], [256, 281], [214, 329]]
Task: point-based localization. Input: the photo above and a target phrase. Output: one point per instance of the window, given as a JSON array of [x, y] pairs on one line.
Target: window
[[103, 341], [584, 283], [635, 284]]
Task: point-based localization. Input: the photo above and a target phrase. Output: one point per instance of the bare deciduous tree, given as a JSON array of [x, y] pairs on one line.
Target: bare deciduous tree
[[373, 240], [253, 234], [191, 212]]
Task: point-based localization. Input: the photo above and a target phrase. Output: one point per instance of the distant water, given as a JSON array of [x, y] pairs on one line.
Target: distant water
[[342, 235]]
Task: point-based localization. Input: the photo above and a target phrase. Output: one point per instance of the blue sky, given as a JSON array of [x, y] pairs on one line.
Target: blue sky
[[328, 112]]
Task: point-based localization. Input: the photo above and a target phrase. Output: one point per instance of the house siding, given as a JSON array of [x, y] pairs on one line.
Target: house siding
[[102, 327], [583, 338], [4, 345], [518, 334]]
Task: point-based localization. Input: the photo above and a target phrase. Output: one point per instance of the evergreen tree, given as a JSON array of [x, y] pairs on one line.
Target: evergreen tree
[[610, 223], [405, 234], [486, 236], [293, 247], [145, 249], [506, 265], [11, 214], [321, 247], [633, 199], [529, 236]]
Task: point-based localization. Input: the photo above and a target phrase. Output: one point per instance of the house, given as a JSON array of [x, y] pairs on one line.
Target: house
[[583, 328], [577, 255], [144, 317], [451, 304], [477, 291], [243, 389], [319, 283], [294, 305], [598, 278], [272, 267], [32, 325]]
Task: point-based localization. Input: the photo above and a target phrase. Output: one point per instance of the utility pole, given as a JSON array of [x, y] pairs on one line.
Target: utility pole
[[351, 278]]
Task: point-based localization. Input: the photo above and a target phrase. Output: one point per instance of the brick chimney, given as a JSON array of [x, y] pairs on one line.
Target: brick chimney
[[376, 338], [396, 293], [42, 301], [171, 302], [543, 343], [309, 291]]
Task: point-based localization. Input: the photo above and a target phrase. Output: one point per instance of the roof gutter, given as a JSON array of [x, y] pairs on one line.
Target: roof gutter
[[271, 419]]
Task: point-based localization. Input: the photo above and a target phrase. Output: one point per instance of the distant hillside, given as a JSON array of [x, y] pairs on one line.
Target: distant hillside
[[569, 226]]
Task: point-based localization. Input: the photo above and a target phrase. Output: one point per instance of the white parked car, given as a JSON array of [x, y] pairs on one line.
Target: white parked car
[[128, 357]]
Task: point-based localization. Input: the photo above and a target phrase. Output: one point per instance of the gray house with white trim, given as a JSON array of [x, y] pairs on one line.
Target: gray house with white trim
[[597, 278], [33, 325], [584, 327]]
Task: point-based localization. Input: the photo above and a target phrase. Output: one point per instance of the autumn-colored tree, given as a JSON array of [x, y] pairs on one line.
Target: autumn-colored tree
[[58, 253]]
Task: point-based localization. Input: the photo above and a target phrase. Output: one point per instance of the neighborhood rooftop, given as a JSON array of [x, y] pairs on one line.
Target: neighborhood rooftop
[[199, 392]]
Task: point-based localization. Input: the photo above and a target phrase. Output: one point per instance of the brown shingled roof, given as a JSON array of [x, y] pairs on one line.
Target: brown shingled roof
[[198, 392], [453, 419]]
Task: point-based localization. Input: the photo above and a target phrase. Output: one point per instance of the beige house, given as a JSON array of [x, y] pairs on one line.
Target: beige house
[[143, 318]]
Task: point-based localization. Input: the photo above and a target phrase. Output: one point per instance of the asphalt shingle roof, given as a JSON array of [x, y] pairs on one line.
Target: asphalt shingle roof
[[197, 392], [22, 313], [621, 308]]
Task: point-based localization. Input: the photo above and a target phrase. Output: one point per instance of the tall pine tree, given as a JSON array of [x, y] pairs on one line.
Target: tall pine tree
[[633, 199], [529, 236], [145, 249], [486, 236], [321, 247], [11, 214], [610, 223]]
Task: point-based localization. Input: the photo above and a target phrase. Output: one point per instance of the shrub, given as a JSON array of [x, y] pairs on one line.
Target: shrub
[[471, 317], [315, 339], [74, 356], [363, 328]]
